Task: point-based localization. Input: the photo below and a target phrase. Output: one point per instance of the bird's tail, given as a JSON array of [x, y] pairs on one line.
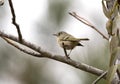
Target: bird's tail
[[79, 44], [83, 39]]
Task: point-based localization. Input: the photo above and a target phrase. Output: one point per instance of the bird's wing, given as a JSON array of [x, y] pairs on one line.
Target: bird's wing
[[70, 38]]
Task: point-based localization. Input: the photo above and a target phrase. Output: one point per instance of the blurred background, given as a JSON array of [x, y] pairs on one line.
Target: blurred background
[[38, 20]]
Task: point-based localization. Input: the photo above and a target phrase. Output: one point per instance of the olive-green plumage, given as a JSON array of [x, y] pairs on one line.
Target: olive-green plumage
[[68, 40]]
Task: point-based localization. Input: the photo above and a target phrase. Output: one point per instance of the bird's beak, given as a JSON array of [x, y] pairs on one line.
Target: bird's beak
[[55, 34]]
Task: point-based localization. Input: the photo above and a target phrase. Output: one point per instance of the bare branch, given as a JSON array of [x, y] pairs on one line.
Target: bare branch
[[100, 77], [14, 20], [22, 49], [1, 2], [59, 58], [87, 23]]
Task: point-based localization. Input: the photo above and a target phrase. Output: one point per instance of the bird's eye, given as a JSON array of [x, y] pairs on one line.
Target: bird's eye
[[59, 33]]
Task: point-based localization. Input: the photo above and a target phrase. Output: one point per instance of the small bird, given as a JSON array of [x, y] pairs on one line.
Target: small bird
[[67, 41]]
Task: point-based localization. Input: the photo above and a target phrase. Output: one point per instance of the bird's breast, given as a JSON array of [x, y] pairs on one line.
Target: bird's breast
[[67, 44]]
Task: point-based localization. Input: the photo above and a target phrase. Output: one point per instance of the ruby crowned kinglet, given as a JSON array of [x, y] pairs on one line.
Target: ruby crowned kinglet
[[68, 41]]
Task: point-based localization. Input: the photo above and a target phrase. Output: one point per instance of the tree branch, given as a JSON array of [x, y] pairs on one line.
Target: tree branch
[[100, 77], [45, 54], [1, 2], [87, 23], [22, 49], [14, 20]]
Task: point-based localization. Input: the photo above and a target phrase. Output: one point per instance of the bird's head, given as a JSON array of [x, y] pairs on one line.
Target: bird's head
[[59, 34]]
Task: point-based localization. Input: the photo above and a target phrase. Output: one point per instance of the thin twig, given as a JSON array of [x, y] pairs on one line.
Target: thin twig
[[25, 43], [87, 23], [1, 2], [100, 77], [59, 58], [22, 49], [14, 20]]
